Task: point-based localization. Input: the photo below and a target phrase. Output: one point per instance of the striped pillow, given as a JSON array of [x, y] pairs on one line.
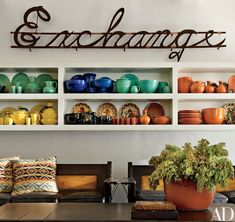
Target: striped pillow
[[34, 176], [6, 177]]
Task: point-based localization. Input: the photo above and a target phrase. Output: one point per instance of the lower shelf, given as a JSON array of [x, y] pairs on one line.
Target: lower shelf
[[119, 128]]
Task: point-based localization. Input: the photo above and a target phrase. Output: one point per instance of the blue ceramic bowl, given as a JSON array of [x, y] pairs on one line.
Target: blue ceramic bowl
[[78, 77], [103, 83], [75, 86]]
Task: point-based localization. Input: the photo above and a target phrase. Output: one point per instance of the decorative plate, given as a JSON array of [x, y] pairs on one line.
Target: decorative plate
[[134, 79], [154, 110], [107, 109], [4, 81], [231, 83], [128, 109], [37, 109], [41, 80], [81, 108], [228, 112], [22, 78], [5, 110]]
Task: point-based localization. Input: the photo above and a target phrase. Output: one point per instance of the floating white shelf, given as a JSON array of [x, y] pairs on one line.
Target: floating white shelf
[[117, 96], [172, 102], [118, 128], [24, 96]]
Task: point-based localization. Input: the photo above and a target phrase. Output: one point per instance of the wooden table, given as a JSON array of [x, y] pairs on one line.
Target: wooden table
[[90, 212]]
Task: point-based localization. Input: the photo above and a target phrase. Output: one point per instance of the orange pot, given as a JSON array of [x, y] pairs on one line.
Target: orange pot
[[197, 87], [209, 88], [161, 120], [185, 196], [213, 115], [221, 88], [184, 84], [145, 119]]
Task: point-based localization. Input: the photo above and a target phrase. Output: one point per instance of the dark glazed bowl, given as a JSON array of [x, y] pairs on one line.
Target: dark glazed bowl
[[103, 84], [75, 86]]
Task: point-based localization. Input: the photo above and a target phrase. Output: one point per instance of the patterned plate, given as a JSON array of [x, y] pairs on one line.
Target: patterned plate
[[41, 80], [228, 111], [4, 81], [107, 109], [81, 108], [22, 78], [154, 110], [128, 109]]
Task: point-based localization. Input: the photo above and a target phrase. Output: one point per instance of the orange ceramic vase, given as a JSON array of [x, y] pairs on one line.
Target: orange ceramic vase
[[221, 88], [145, 119], [185, 196], [184, 84], [197, 87], [209, 88]]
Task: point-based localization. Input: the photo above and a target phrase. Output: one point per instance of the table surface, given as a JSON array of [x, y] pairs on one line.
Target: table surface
[[91, 212]]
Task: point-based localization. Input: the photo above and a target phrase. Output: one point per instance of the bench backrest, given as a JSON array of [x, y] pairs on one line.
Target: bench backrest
[[83, 176]]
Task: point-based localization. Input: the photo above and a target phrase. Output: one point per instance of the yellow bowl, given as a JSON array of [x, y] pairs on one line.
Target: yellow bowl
[[49, 121]]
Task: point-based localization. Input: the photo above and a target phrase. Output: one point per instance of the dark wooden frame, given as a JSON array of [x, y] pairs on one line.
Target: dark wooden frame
[[102, 171], [135, 173]]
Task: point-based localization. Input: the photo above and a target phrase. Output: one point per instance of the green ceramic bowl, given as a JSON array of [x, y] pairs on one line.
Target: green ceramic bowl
[[123, 87], [148, 86]]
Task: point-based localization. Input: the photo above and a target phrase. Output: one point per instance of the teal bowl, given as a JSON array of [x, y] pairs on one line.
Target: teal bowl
[[148, 86], [123, 87]]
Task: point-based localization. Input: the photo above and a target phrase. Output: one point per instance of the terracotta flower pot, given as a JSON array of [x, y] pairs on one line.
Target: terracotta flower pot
[[184, 84], [185, 196]]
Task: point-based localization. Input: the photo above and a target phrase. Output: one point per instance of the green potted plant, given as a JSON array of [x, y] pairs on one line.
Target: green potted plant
[[191, 173]]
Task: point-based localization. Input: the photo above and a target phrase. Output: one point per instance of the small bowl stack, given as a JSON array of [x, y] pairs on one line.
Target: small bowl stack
[[190, 117]]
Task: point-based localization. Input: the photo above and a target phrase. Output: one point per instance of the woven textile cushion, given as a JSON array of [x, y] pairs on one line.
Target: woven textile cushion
[[34, 176], [6, 177]]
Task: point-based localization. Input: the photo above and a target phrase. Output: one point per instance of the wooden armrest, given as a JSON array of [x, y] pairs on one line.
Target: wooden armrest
[[111, 181], [126, 181]]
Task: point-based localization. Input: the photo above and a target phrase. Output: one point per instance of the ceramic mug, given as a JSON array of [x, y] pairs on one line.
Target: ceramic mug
[[135, 89], [161, 86], [35, 118], [1, 121], [28, 121]]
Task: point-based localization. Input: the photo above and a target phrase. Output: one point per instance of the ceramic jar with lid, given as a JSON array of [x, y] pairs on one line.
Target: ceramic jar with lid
[[209, 87], [221, 88], [49, 115]]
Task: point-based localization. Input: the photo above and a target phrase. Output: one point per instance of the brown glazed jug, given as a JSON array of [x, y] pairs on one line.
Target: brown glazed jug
[[145, 119], [209, 88], [184, 84], [197, 87], [221, 88]]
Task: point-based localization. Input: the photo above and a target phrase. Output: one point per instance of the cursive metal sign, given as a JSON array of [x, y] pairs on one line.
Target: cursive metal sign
[[27, 36]]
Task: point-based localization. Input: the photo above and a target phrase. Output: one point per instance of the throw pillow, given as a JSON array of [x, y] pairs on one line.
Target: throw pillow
[[6, 177], [34, 176]]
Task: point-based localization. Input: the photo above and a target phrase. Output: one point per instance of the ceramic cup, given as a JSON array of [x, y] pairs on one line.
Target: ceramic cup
[[19, 89], [1, 121], [135, 89], [13, 89], [28, 121], [123, 87], [35, 118]]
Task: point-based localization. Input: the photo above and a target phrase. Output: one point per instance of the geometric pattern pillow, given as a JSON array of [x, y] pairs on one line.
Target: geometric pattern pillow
[[6, 177], [34, 176]]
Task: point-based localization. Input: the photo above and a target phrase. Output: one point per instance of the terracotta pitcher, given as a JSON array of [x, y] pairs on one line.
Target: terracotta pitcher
[[197, 87], [209, 87], [145, 119], [221, 88], [184, 84]]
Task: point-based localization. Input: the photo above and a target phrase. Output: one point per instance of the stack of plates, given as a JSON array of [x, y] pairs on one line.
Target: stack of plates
[[190, 117]]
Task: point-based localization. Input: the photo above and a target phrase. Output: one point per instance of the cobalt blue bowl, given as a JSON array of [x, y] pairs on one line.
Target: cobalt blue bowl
[[75, 86], [103, 84]]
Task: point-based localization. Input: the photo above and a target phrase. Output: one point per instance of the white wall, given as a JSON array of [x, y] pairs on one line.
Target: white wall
[[95, 15]]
